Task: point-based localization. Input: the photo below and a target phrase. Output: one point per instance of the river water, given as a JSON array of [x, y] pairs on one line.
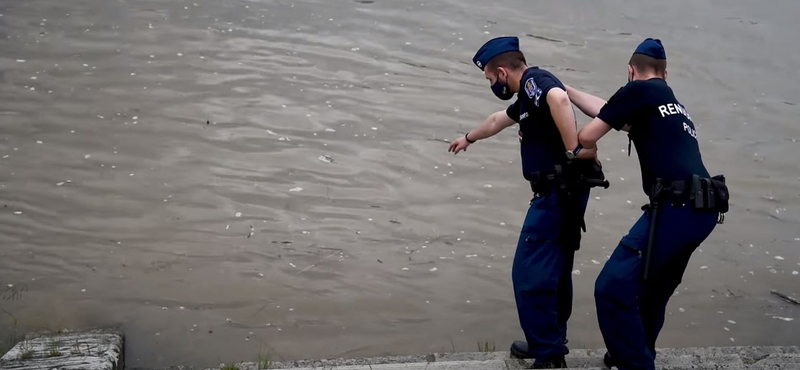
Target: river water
[[227, 178]]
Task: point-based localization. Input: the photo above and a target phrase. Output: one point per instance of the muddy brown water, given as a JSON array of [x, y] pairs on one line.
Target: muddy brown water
[[228, 178]]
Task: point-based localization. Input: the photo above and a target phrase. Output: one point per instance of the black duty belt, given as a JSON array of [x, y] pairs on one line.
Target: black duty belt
[[572, 175], [702, 194]]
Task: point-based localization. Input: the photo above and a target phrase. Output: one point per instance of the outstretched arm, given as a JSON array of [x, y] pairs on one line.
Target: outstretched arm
[[495, 123], [589, 104]]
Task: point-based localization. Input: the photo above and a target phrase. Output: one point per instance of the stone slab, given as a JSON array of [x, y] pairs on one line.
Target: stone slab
[[100, 349]]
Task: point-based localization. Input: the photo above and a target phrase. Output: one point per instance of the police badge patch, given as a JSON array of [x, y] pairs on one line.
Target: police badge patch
[[530, 87], [533, 91]]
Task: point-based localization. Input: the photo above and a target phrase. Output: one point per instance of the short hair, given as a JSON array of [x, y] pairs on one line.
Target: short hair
[[510, 59], [644, 63]]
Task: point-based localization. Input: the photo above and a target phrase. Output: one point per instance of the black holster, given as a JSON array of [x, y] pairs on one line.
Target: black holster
[[571, 180]]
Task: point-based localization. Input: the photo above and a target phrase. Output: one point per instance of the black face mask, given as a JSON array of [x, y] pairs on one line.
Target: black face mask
[[501, 89]]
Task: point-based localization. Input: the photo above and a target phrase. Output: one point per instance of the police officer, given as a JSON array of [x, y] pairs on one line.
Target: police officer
[[542, 269], [632, 290]]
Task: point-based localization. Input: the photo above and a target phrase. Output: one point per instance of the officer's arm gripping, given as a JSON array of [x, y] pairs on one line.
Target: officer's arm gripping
[[592, 132], [589, 104]]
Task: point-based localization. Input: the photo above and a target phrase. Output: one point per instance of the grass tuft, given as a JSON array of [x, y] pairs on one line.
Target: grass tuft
[[264, 362], [486, 346]]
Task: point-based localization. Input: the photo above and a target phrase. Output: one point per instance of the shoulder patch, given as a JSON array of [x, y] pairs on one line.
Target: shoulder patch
[[533, 91], [530, 87]]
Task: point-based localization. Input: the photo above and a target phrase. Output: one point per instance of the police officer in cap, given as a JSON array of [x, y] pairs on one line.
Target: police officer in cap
[[632, 290], [542, 269]]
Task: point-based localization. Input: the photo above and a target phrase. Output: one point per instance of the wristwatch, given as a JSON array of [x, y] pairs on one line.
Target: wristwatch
[[571, 154]]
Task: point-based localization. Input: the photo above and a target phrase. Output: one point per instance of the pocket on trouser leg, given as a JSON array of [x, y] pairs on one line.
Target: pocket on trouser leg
[[537, 264]]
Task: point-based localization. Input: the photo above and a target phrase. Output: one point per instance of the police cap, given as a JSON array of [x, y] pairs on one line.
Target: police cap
[[652, 48], [493, 48]]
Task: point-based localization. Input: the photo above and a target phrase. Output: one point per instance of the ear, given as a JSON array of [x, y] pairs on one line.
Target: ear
[[665, 74], [630, 71]]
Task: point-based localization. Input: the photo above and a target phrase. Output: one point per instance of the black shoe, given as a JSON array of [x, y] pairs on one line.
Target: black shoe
[[609, 361], [519, 350], [560, 363]]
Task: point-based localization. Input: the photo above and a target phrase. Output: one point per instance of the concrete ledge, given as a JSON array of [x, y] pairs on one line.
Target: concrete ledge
[[733, 358], [86, 350]]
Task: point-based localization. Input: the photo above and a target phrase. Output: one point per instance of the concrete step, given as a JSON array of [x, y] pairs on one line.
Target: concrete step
[[681, 358]]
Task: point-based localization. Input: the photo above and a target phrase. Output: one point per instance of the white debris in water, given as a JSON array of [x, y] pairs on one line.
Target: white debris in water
[[10, 285], [779, 258], [291, 309], [228, 320], [330, 130], [487, 185], [20, 60], [427, 301], [131, 175], [238, 214], [133, 73], [773, 271], [326, 158], [732, 340], [596, 262], [446, 258], [628, 201], [374, 128], [87, 156], [469, 301], [703, 267], [576, 272], [433, 269], [296, 190], [732, 322], [260, 274], [404, 268], [681, 309], [272, 133], [621, 179], [33, 78], [17, 212], [164, 308], [408, 43], [180, 54], [292, 264], [283, 138], [787, 319], [60, 183], [598, 198], [83, 290], [795, 273], [471, 255], [726, 328], [39, 142]]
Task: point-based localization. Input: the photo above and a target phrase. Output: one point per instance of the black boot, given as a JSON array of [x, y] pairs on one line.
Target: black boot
[[559, 363], [519, 350], [609, 361]]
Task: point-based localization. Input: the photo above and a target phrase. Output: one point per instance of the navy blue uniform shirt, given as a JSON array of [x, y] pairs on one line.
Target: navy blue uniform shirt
[[661, 129], [541, 145]]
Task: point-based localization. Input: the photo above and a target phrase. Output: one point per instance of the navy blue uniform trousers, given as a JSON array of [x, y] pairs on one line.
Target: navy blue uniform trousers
[[542, 276], [631, 310]]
